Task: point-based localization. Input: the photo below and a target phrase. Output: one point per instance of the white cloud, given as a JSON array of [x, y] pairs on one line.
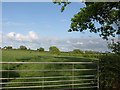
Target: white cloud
[[11, 35], [33, 41], [31, 36], [79, 43]]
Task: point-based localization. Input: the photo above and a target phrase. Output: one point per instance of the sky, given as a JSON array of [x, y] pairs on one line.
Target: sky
[[41, 24]]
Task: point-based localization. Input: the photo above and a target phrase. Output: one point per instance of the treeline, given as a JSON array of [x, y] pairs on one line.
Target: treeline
[[10, 47], [53, 49]]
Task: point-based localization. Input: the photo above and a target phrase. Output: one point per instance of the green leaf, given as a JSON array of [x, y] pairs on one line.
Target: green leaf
[[69, 30], [62, 8]]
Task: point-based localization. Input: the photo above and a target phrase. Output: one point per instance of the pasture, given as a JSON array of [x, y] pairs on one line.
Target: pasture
[[54, 74]]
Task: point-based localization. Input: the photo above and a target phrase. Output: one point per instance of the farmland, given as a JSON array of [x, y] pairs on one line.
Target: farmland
[[16, 55], [36, 56]]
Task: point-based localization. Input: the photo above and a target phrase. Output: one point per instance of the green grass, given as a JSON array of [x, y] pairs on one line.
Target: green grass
[[20, 55], [36, 56]]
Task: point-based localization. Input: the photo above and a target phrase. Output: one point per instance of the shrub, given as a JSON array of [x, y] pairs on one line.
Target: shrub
[[23, 47], [90, 52], [109, 71], [8, 47], [54, 50], [41, 49], [77, 51]]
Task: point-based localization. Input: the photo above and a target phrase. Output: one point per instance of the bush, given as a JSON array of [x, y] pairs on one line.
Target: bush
[[90, 52], [23, 47], [54, 50], [109, 71], [8, 47], [77, 51], [41, 49]]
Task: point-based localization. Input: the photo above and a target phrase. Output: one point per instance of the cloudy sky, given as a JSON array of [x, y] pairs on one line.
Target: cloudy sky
[[43, 25]]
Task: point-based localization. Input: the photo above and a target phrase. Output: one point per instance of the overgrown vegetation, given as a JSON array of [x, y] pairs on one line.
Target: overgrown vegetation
[[110, 68], [109, 71]]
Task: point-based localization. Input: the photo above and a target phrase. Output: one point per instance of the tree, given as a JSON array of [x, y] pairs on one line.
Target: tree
[[23, 47], [8, 47], [106, 14], [115, 47], [77, 51], [90, 52], [54, 50], [41, 49]]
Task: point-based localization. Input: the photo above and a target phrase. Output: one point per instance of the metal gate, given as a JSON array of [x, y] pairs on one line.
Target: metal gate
[[49, 76]]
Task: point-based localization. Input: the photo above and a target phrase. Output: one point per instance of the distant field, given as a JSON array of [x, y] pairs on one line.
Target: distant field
[[20, 55], [36, 56]]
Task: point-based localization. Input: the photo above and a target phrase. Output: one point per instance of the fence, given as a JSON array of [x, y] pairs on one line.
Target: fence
[[49, 75]]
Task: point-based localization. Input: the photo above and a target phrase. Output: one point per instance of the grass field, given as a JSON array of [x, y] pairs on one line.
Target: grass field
[[36, 56]]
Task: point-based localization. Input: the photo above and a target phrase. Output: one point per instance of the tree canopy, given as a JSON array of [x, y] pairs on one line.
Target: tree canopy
[[77, 51], [106, 14], [41, 49], [115, 47], [54, 50], [8, 47], [23, 47]]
